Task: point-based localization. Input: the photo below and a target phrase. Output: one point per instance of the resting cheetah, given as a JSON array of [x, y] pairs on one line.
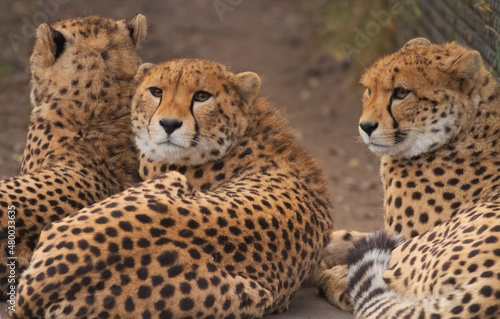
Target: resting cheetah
[[80, 147], [432, 112], [230, 230]]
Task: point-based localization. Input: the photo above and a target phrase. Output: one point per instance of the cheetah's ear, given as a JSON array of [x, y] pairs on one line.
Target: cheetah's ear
[[465, 69], [138, 28], [49, 45], [248, 85], [144, 70], [416, 41]]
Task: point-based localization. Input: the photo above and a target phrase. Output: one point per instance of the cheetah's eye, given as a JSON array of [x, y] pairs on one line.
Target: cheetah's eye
[[201, 96], [156, 92], [400, 93]]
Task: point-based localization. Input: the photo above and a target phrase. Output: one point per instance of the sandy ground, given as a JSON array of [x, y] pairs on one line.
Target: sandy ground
[[275, 38]]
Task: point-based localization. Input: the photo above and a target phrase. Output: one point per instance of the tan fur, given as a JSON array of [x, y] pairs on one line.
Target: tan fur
[[79, 146], [232, 236], [442, 196]]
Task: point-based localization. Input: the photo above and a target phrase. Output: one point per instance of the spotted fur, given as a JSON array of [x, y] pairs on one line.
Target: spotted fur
[[231, 228], [80, 146], [441, 191]]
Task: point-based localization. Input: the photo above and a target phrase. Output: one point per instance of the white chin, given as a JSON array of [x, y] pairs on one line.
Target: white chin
[[382, 150], [160, 152], [407, 149]]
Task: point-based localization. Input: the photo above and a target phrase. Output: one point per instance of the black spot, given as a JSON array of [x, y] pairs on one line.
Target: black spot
[[127, 243], [398, 228], [438, 171], [143, 243], [111, 232], [167, 222], [209, 301], [126, 226], [193, 224], [424, 218], [398, 202], [144, 292], [448, 196], [409, 211], [142, 273], [168, 258], [143, 218], [101, 220], [246, 152], [174, 271], [198, 173], [167, 291], [186, 304], [416, 196], [156, 280], [129, 305], [486, 291], [429, 190], [158, 207], [218, 166], [108, 302]]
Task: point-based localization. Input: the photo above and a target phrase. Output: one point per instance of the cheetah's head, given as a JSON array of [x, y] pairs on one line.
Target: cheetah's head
[[417, 99], [82, 49], [189, 111]]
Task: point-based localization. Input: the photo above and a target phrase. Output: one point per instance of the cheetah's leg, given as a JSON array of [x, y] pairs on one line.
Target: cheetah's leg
[[236, 295], [30, 201], [332, 284], [331, 274], [335, 253]]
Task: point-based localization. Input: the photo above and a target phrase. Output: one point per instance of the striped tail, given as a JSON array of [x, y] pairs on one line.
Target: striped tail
[[372, 297], [367, 262]]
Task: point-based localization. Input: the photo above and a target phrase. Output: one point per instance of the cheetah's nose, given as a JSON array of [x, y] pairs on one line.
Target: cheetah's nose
[[170, 125], [368, 127]]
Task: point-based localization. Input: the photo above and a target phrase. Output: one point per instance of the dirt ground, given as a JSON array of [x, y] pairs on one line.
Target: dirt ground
[[275, 38]]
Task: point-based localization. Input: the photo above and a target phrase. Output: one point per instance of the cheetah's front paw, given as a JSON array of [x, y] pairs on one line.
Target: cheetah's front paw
[[332, 284]]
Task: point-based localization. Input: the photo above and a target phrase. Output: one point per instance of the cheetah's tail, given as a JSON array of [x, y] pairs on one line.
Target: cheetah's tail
[[371, 296]]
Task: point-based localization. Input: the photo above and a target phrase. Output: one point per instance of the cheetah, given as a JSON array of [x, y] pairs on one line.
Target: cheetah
[[80, 146], [432, 113], [232, 222]]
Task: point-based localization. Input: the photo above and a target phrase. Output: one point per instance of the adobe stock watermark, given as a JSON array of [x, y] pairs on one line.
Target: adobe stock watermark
[[11, 257], [372, 28], [48, 9], [223, 6]]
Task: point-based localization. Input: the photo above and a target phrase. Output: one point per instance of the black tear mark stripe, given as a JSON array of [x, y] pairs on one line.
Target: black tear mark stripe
[[194, 141], [395, 123], [159, 103], [399, 136]]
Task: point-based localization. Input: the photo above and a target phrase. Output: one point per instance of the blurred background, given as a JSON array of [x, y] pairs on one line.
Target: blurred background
[[308, 53]]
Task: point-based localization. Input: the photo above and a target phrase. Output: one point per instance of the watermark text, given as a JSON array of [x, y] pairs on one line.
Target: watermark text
[[11, 257]]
